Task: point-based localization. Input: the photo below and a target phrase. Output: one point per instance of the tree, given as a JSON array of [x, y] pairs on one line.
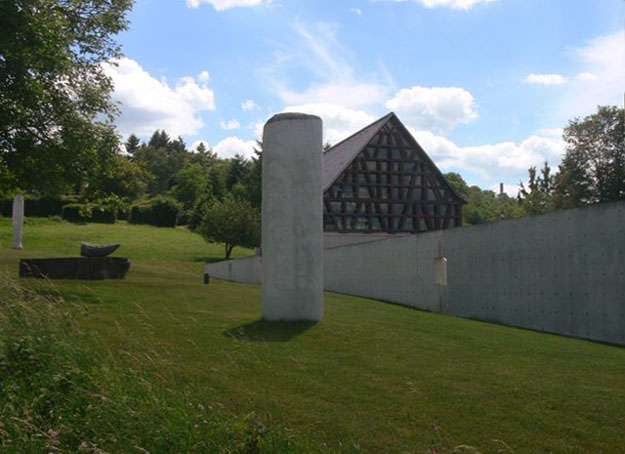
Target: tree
[[132, 144], [190, 183], [55, 107], [233, 222], [456, 181], [537, 197], [593, 167], [237, 172]]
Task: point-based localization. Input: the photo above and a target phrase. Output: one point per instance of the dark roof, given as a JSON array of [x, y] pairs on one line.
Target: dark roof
[[337, 158]]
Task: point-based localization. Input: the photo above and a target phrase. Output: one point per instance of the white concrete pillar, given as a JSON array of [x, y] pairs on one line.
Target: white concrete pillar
[[292, 218], [18, 221]]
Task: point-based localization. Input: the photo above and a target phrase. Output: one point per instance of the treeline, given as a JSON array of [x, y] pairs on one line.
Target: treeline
[[592, 171]]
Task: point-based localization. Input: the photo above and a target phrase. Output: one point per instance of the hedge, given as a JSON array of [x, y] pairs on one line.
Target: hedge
[[159, 211], [77, 212], [42, 207]]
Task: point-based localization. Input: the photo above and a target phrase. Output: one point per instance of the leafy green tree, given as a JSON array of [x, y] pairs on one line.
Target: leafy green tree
[[537, 196], [237, 172], [593, 167], [254, 182], [233, 222], [164, 159], [190, 183], [458, 184], [55, 107], [482, 207], [125, 178]]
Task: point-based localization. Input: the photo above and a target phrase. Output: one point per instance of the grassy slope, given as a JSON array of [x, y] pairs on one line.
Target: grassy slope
[[377, 376]]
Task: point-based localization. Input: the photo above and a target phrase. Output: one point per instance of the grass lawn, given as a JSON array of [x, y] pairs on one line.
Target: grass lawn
[[372, 377]]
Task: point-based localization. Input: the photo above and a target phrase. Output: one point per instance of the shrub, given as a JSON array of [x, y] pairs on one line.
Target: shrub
[[77, 212], [89, 212], [35, 206], [159, 211], [103, 214]]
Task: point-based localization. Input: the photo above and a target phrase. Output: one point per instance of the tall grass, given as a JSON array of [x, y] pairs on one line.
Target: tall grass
[[60, 394]]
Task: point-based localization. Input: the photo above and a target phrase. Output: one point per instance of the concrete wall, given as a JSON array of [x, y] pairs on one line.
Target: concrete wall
[[247, 270], [561, 272], [335, 239]]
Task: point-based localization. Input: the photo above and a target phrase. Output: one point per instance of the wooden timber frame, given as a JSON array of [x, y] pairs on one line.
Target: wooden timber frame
[[392, 186]]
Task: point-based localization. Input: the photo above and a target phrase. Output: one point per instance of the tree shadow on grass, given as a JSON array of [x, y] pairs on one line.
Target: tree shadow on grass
[[264, 331]]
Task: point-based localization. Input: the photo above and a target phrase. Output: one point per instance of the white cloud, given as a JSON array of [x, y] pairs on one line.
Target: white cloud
[[148, 104], [545, 79], [230, 146], [501, 161], [437, 108], [221, 5], [454, 4], [356, 11], [586, 76], [319, 51], [350, 95], [604, 58], [203, 76], [338, 122], [551, 132], [232, 124], [249, 105], [258, 129]]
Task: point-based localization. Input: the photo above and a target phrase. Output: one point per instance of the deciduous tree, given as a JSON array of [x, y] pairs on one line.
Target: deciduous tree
[[233, 222], [55, 107]]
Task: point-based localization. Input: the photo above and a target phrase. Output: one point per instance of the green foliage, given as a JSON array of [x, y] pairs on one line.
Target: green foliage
[[36, 206], [56, 112], [536, 198], [458, 184], [191, 182], [89, 212], [77, 212], [482, 207], [60, 393], [233, 222], [593, 167], [159, 211], [124, 178]]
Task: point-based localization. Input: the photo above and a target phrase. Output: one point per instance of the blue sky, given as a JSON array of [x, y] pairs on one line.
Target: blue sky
[[484, 85]]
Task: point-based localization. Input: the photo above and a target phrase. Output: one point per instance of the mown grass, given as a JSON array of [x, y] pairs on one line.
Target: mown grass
[[371, 377]]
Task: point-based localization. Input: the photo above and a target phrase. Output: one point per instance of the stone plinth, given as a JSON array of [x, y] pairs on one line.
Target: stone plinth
[[83, 268]]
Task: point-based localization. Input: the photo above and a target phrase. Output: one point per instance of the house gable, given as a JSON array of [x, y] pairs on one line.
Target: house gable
[[387, 184]]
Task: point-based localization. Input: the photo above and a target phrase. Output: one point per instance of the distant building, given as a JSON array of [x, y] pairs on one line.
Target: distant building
[[380, 181]]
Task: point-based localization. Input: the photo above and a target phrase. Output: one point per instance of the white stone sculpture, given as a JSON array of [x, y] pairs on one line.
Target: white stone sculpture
[[292, 223], [18, 221]]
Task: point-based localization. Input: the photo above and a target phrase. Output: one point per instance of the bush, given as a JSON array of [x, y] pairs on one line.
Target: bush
[[76, 212], [41, 207], [159, 211], [89, 212], [103, 214]]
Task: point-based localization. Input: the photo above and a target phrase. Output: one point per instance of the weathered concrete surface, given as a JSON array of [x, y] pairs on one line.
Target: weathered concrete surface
[[18, 221], [561, 272], [336, 239], [247, 270], [292, 227]]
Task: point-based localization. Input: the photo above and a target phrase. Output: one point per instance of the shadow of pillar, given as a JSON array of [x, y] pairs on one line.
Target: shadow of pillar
[[264, 331]]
